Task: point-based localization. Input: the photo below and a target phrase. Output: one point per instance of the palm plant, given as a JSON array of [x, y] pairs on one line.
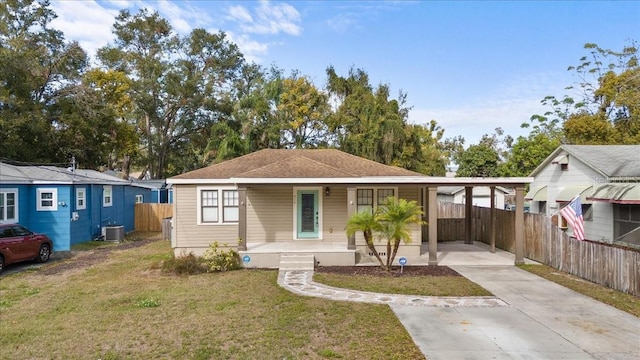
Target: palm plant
[[395, 218], [368, 223], [391, 222]]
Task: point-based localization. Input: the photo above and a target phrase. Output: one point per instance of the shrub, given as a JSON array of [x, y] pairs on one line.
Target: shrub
[[216, 259], [185, 264]]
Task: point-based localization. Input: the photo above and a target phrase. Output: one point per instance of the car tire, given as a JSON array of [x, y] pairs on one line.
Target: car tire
[[44, 253], [1, 263]]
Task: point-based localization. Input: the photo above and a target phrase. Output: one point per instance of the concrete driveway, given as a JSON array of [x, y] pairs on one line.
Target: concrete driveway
[[543, 321]]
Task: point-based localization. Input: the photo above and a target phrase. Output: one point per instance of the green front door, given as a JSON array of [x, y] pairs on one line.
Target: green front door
[[308, 216]]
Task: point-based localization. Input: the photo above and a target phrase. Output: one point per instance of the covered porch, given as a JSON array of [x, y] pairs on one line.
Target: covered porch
[[346, 253]]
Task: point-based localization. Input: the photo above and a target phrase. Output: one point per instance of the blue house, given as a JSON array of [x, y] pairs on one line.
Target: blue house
[[70, 206], [161, 192]]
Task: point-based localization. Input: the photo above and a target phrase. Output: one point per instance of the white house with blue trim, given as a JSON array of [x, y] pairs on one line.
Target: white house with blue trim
[[70, 206]]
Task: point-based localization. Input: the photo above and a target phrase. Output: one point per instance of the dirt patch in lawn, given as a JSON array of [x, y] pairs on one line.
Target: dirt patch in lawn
[[430, 270], [80, 260]]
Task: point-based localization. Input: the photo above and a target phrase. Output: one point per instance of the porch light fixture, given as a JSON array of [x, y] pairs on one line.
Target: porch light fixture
[[327, 191]]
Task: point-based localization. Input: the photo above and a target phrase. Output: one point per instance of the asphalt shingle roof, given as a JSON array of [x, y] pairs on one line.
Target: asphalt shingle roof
[[297, 163], [615, 161], [27, 174]]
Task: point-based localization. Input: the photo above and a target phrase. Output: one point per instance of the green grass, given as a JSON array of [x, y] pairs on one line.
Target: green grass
[[410, 285], [125, 308], [617, 299]]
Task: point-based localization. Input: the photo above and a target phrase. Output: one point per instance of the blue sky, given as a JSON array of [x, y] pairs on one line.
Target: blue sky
[[470, 65]]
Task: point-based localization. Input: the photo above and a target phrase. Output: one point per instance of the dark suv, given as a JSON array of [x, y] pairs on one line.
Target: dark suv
[[17, 243]]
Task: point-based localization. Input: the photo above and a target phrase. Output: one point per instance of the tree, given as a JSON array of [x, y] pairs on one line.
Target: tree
[[38, 70], [93, 122], [605, 108], [366, 122], [423, 150], [484, 158], [527, 153], [391, 221], [478, 161], [304, 110], [180, 85]]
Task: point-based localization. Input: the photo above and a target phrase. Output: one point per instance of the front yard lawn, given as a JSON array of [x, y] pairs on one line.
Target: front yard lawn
[[124, 308]]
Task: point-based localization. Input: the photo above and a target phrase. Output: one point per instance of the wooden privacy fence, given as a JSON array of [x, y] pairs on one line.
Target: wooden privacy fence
[[544, 242], [148, 217]]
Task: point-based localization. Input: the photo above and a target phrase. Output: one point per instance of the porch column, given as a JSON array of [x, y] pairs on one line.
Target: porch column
[[424, 203], [242, 218], [351, 209], [468, 215], [519, 227], [492, 223], [433, 225]]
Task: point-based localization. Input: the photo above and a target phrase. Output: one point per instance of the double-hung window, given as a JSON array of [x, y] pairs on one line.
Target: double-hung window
[[218, 206], [81, 198], [365, 200], [107, 196], [47, 199], [230, 206], [8, 205], [209, 205], [372, 198]]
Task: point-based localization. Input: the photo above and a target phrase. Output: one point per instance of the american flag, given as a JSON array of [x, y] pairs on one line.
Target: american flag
[[573, 214]]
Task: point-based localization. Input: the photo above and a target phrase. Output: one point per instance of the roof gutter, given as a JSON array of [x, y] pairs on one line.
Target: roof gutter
[[417, 180]]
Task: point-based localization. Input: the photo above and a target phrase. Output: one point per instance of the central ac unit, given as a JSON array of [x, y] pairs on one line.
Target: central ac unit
[[114, 233]]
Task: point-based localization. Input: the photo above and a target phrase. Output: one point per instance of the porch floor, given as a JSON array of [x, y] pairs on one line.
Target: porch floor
[[478, 253], [300, 246], [449, 253]]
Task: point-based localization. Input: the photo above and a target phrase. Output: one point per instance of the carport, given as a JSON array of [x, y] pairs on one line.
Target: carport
[[429, 199]]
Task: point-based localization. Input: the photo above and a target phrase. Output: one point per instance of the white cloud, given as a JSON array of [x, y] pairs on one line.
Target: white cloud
[[86, 22], [240, 13], [181, 15], [90, 22], [269, 19], [251, 49], [342, 22]]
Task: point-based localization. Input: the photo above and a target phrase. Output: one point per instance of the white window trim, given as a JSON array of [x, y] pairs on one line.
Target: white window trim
[[54, 199], [139, 197], [295, 211], [16, 210], [375, 193], [82, 191], [104, 198], [219, 189]]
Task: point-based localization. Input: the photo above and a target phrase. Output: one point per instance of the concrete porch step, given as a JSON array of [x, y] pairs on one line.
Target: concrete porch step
[[297, 262]]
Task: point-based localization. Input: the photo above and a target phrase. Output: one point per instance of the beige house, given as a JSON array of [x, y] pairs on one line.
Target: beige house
[[275, 201]]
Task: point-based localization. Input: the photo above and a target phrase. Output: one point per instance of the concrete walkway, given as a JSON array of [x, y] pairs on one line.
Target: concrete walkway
[[301, 282], [543, 321], [529, 317]]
